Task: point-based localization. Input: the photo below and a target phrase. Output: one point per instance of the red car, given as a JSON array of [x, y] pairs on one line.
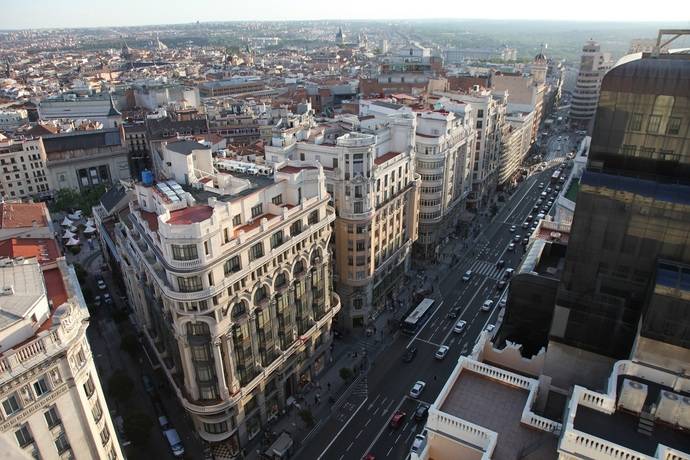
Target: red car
[[397, 419], [370, 457]]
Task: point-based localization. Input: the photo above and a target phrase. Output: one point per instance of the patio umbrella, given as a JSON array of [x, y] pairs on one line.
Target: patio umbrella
[[89, 229], [68, 234], [66, 222], [72, 242], [73, 228], [90, 222]]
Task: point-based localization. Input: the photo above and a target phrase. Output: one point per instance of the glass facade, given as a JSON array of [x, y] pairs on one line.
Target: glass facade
[[633, 207]]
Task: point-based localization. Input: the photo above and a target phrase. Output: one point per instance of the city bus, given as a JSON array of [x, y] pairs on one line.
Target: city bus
[[416, 318], [555, 176]]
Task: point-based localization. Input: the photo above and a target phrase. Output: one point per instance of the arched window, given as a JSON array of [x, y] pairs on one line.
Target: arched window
[[260, 294], [299, 268], [280, 280], [238, 310]]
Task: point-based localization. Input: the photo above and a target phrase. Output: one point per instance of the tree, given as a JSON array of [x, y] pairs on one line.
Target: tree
[[138, 428], [307, 417], [120, 385], [345, 373], [66, 199], [130, 344]]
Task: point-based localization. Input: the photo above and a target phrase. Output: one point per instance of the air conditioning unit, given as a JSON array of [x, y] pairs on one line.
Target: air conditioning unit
[[684, 412], [668, 407], [633, 396]]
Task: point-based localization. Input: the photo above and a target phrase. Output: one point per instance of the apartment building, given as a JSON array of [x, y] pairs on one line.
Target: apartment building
[[24, 173], [593, 65], [97, 107], [53, 405], [516, 142], [370, 176], [489, 109], [229, 276]]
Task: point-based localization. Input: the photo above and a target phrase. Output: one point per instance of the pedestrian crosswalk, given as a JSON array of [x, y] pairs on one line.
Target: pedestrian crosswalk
[[488, 269], [362, 387]]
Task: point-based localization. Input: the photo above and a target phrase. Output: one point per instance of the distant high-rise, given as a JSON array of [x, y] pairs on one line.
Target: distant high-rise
[[628, 260], [593, 65]]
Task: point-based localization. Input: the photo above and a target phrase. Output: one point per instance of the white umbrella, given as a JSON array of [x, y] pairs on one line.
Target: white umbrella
[[89, 229], [72, 242], [66, 222], [68, 234], [90, 223], [73, 228]]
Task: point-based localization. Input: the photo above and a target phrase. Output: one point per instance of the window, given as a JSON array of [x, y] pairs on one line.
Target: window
[[105, 436], [40, 387], [360, 245], [206, 247], [296, 228], [358, 207], [61, 443], [256, 251], [654, 123], [277, 239], [52, 417], [10, 405], [226, 235], [257, 210], [191, 284], [216, 428], [185, 252], [480, 113], [278, 199], [237, 220], [313, 218], [23, 435], [636, 122], [673, 127], [335, 162], [97, 411], [232, 265], [89, 387], [629, 150]]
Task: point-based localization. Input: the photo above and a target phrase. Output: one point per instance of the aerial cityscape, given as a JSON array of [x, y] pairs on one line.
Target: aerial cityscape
[[344, 232]]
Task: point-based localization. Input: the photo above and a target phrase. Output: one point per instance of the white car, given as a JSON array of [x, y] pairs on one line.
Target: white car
[[101, 284], [459, 326], [513, 228], [418, 443], [417, 389], [490, 328], [487, 305], [467, 276], [97, 300], [511, 247], [441, 352]]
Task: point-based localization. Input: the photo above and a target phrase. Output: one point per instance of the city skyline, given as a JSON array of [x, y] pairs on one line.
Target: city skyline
[[42, 14]]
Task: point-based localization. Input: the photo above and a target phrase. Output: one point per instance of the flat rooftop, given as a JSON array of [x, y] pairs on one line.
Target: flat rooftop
[[621, 427], [257, 182], [498, 407]]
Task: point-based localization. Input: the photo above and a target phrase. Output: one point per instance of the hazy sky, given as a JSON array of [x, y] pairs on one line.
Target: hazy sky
[[19, 14]]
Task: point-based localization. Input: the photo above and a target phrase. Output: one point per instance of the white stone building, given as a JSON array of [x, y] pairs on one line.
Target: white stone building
[[99, 107], [593, 65], [23, 172]]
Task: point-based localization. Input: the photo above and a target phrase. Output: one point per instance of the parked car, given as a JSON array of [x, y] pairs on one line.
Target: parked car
[[418, 443], [517, 238], [441, 352], [174, 441], [417, 388], [397, 418], [97, 300], [409, 354], [500, 264], [487, 305], [508, 273], [525, 225], [459, 326], [513, 228], [421, 412], [163, 422], [541, 185], [490, 328], [107, 299], [101, 284], [467, 276], [511, 247], [501, 285]]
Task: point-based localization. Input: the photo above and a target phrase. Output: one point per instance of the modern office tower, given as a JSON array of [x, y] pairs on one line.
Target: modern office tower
[[229, 275], [370, 175], [53, 405], [489, 111], [444, 148], [593, 66], [627, 261]]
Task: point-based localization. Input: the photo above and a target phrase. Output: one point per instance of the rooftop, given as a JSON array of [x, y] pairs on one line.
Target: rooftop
[[621, 427], [83, 140], [497, 407], [44, 250], [25, 280], [185, 147], [385, 157], [571, 193], [190, 215], [22, 215]]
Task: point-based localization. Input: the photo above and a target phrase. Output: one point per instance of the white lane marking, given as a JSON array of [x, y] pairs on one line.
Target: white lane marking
[[450, 331], [429, 342], [343, 428], [389, 451], [350, 446], [424, 325], [367, 422], [378, 435], [371, 405], [359, 434]]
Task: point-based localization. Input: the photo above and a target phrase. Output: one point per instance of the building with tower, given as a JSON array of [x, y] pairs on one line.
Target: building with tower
[[593, 65]]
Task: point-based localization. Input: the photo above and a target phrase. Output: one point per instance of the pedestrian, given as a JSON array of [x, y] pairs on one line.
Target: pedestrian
[[329, 386]]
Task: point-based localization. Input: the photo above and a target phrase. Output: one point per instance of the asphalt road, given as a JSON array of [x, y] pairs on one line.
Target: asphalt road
[[360, 424]]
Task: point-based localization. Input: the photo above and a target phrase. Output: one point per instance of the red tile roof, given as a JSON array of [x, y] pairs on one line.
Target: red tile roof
[[295, 169], [44, 250], [22, 215], [190, 215], [151, 219], [385, 157], [55, 287], [255, 223]]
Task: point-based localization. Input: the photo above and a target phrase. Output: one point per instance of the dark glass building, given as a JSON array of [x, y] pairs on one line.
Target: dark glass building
[[632, 219]]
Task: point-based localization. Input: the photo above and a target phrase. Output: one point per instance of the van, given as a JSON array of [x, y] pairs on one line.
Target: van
[[174, 441]]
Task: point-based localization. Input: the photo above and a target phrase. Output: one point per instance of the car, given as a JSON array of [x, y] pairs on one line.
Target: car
[[517, 238], [490, 328], [512, 228], [174, 441], [535, 207], [557, 188], [503, 302], [549, 190], [525, 241], [417, 388], [539, 202], [148, 384], [101, 284], [501, 285], [467, 276], [529, 217], [370, 457], [541, 185], [409, 354], [421, 412], [559, 138], [418, 443], [107, 299], [97, 300], [459, 326], [543, 194], [525, 225], [397, 418], [487, 305], [511, 247], [441, 352], [501, 263], [163, 422], [508, 273], [549, 204], [454, 312], [541, 216]]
